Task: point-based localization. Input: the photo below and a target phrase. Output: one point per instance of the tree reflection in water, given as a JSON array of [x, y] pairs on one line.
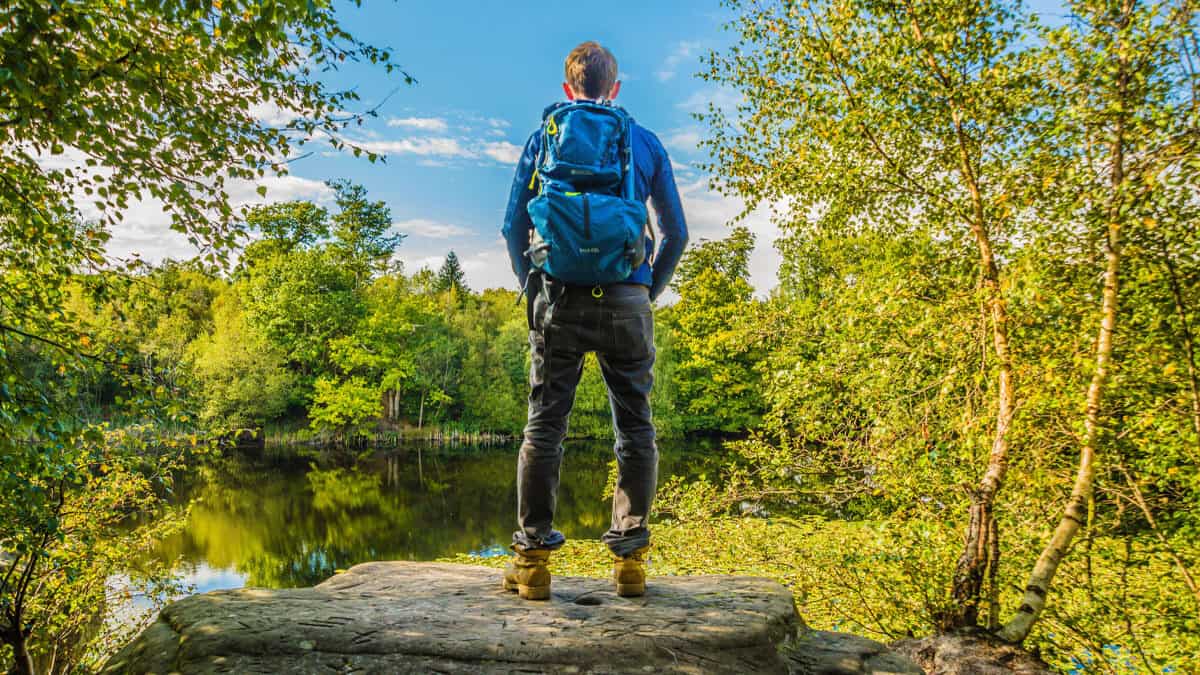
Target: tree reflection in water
[[294, 523]]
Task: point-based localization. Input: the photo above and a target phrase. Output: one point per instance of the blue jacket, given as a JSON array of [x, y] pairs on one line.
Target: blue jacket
[[653, 180]]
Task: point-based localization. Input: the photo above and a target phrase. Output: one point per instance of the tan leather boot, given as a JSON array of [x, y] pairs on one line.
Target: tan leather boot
[[528, 573], [629, 573]]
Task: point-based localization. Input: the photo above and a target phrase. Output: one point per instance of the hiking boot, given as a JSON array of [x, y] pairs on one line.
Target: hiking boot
[[629, 573], [528, 573]]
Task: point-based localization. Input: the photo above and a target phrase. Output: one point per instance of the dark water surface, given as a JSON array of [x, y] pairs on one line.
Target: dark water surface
[[294, 522]]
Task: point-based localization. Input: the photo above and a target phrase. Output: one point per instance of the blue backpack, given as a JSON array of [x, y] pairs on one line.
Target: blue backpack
[[588, 229]]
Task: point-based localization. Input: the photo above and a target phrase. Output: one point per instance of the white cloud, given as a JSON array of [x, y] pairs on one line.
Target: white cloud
[[502, 151], [434, 124], [444, 141], [684, 140], [489, 269], [437, 146], [498, 127], [709, 214], [680, 167], [145, 229], [430, 229], [723, 98], [484, 267], [684, 51], [271, 114], [146, 232], [280, 189], [438, 149], [416, 263]]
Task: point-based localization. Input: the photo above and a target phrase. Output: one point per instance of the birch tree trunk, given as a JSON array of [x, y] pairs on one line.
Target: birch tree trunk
[[1075, 514], [981, 545], [981, 548]]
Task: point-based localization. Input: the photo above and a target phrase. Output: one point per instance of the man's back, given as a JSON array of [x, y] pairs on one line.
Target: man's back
[[614, 321], [654, 180]]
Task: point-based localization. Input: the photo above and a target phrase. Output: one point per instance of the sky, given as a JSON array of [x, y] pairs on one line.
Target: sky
[[485, 71]]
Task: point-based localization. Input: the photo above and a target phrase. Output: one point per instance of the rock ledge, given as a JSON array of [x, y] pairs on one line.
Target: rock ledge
[[400, 617]]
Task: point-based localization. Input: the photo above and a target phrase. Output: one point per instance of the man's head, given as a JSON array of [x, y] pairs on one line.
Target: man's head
[[591, 72]]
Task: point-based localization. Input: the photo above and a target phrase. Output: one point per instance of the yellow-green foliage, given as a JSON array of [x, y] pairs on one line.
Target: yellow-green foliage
[[883, 579]]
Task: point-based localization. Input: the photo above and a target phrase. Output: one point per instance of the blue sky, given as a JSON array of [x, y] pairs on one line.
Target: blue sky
[[485, 70]]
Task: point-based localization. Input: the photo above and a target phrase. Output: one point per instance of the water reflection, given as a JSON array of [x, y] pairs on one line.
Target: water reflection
[[281, 524]]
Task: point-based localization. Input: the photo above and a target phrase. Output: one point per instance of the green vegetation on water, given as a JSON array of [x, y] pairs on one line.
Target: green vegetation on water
[[875, 578]]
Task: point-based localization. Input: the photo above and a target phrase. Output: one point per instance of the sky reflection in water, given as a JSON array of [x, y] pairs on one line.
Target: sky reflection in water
[[282, 524]]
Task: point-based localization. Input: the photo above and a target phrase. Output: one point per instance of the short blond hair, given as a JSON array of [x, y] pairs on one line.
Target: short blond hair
[[591, 70]]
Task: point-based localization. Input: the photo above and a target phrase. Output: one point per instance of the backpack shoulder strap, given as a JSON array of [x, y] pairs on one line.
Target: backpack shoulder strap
[[549, 128], [627, 183]]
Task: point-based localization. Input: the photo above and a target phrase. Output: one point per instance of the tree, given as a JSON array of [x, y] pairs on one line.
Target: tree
[[345, 408], [493, 385], [103, 102], [240, 378], [717, 350], [1132, 111], [925, 103], [382, 348], [287, 226], [179, 87], [361, 241], [451, 277], [968, 132], [299, 302]]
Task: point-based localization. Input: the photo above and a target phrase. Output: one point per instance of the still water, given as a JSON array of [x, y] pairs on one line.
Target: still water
[[293, 522]]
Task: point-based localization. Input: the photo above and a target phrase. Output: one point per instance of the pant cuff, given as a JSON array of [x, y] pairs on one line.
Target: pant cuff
[[624, 545], [551, 542]]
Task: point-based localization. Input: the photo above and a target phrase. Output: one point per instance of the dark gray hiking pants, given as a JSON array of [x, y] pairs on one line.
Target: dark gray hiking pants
[[619, 328]]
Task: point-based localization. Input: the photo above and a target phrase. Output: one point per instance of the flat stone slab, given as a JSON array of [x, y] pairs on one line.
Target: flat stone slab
[[403, 617]]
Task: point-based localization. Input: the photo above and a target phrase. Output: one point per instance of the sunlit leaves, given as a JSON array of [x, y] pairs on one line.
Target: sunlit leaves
[[104, 103]]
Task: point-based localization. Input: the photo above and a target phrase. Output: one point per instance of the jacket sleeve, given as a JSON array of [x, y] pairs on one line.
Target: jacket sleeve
[[664, 195], [516, 219]]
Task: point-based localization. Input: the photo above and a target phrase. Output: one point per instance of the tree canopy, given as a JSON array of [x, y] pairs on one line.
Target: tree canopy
[[102, 103]]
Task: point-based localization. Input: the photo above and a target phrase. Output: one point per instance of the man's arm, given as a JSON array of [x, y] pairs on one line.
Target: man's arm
[[671, 223], [516, 219]]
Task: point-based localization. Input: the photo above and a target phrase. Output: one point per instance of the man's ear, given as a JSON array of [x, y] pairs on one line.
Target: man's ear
[[567, 90], [615, 90]]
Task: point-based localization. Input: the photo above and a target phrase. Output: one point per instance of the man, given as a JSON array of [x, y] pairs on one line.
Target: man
[[615, 321]]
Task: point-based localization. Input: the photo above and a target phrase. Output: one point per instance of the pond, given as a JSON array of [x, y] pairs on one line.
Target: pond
[[294, 522]]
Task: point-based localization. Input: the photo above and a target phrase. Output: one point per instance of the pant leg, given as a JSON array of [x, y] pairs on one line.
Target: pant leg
[[556, 364], [627, 366]]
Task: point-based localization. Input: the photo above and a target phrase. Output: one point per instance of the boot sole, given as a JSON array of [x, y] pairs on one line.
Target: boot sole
[[631, 590], [528, 592], [533, 592]]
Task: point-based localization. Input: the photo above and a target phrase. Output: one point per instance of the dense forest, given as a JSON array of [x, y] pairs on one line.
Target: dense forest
[[315, 333], [971, 403]]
